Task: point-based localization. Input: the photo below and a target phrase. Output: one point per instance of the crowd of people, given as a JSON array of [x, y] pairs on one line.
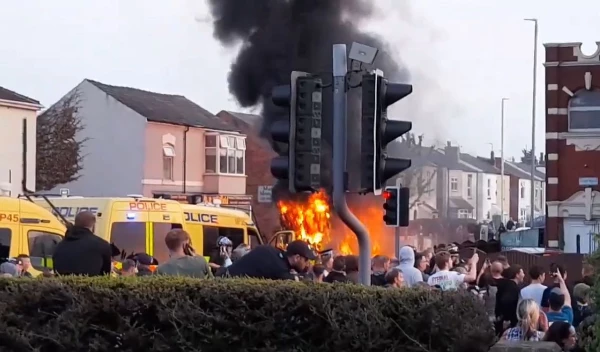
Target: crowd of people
[[534, 312]]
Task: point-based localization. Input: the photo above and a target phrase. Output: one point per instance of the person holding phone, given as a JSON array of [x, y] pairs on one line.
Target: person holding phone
[[221, 255], [183, 259]]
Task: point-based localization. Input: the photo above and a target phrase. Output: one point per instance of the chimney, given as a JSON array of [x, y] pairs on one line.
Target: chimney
[[492, 157], [448, 144], [452, 152], [542, 161], [420, 140]]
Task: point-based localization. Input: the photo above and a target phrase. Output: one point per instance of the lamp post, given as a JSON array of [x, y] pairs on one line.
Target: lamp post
[[533, 106], [502, 159]]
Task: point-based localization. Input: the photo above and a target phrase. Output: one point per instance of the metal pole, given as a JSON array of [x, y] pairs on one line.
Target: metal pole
[[502, 160], [533, 106], [397, 233], [340, 69]]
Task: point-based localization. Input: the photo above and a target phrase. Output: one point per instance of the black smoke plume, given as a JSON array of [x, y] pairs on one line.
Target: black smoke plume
[[280, 36]]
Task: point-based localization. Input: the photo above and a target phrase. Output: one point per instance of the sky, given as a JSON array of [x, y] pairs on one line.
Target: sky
[[464, 57]]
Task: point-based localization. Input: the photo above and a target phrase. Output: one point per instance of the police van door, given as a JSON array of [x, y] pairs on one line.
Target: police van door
[[129, 227], [10, 239], [39, 242], [163, 218]]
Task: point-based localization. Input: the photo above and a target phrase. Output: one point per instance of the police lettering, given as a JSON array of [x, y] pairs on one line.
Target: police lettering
[[4, 217], [70, 212], [152, 206], [206, 218]]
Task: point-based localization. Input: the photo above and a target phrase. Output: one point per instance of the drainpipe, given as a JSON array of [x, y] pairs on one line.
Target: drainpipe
[[187, 128]]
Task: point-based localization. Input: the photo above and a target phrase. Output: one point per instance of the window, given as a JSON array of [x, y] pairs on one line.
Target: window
[[253, 237], [469, 186], [489, 189], [464, 214], [129, 237], [160, 230], [5, 239], [228, 156], [168, 158], [212, 234], [41, 247], [210, 153], [522, 191], [454, 184], [584, 111]]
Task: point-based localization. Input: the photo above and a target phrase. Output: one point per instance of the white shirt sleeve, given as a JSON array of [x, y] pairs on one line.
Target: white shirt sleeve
[[459, 278]]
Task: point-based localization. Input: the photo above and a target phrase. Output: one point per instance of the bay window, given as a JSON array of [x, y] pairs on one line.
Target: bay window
[[225, 154]]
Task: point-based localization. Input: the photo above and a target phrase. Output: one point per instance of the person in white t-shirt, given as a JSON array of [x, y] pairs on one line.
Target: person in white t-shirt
[[448, 280], [535, 290]]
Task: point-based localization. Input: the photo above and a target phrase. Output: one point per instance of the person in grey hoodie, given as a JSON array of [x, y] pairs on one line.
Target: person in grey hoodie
[[412, 275]]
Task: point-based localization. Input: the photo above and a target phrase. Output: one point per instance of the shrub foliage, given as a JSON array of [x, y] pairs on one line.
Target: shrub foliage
[[176, 314]]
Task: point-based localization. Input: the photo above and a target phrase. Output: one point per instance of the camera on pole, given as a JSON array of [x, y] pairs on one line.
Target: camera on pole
[[301, 165], [378, 131]]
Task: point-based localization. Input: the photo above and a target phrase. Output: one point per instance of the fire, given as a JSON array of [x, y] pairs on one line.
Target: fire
[[311, 219]]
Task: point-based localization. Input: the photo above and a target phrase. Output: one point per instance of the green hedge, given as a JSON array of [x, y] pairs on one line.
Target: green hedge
[[589, 330], [175, 314]]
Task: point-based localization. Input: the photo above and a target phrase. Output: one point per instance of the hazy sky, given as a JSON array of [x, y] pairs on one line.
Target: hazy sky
[[464, 55]]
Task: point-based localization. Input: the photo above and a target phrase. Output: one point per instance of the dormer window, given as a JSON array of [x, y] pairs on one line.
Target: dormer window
[[584, 111]]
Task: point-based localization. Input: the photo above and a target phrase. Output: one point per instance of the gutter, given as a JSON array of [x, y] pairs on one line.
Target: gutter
[[20, 105], [185, 132]]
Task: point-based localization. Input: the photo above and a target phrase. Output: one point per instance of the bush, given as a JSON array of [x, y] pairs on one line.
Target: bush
[[176, 314], [589, 330]]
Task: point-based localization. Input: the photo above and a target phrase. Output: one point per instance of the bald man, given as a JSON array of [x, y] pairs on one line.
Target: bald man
[[496, 270]]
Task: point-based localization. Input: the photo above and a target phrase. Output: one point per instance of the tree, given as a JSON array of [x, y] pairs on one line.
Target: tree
[[417, 178], [59, 159]]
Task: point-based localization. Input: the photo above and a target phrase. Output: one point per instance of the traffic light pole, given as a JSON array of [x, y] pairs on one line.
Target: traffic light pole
[[340, 69]]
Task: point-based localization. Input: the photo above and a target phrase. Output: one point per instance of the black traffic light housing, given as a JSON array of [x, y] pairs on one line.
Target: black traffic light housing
[[396, 206], [391, 206], [377, 131], [300, 164]]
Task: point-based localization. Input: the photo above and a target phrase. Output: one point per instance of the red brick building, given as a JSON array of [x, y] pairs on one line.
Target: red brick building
[[258, 169], [572, 147]]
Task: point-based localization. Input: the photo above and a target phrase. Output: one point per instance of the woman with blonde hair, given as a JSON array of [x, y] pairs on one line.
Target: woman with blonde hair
[[528, 314]]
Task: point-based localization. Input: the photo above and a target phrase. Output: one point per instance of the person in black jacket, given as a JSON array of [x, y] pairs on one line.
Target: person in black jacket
[[81, 252]]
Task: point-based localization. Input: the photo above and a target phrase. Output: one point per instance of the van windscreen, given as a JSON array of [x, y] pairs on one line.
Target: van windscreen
[[129, 237], [212, 233]]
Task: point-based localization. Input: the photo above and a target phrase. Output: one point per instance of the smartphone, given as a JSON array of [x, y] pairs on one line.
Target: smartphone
[[188, 249]]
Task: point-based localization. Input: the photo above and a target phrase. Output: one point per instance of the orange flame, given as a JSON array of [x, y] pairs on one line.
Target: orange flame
[[311, 220]]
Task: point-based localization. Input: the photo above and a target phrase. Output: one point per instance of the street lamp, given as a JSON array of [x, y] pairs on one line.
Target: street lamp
[[533, 106], [502, 159]]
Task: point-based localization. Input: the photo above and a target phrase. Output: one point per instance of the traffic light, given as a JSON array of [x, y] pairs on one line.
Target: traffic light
[[300, 165], [391, 206], [396, 206], [377, 131]]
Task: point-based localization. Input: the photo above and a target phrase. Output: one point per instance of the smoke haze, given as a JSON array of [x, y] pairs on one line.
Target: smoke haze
[[280, 36]]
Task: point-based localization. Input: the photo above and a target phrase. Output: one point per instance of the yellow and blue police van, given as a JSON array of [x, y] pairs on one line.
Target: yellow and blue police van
[[206, 223], [136, 224], [28, 228]]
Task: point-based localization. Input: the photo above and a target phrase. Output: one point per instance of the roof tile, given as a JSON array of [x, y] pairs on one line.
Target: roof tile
[[7, 94], [165, 108]]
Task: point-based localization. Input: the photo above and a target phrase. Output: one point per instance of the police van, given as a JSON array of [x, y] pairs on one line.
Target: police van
[[27, 228], [206, 223], [136, 224]]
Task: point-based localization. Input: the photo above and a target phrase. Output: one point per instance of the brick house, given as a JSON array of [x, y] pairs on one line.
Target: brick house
[[572, 147], [258, 168]]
